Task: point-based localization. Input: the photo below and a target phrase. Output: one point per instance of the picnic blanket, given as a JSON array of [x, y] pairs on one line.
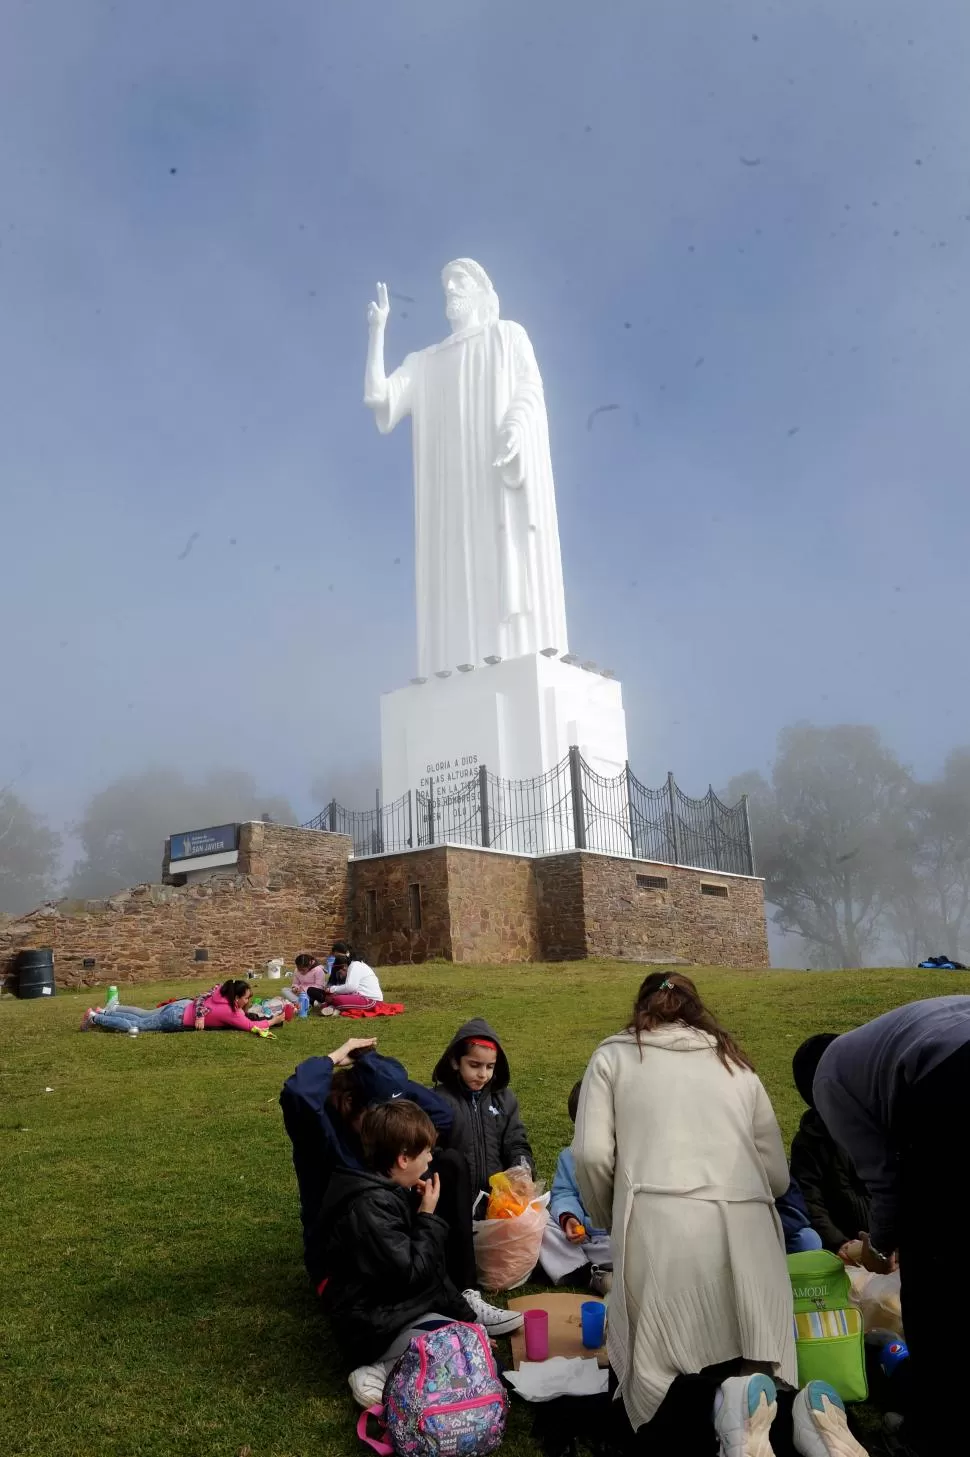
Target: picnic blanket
[[379, 1009]]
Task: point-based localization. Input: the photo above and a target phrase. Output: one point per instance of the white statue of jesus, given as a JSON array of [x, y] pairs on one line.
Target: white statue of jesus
[[488, 564]]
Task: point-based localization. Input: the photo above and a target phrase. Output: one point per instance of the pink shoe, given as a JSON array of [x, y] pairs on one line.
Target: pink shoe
[[87, 1021]]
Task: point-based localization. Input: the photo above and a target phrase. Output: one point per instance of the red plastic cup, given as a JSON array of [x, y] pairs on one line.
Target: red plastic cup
[[537, 1335], [288, 1012]]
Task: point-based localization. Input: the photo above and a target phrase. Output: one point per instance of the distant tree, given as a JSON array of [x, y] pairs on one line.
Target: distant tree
[[930, 915], [28, 855], [832, 836], [125, 825]]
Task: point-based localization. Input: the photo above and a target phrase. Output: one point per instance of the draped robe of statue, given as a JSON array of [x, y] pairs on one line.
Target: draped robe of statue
[[488, 563]]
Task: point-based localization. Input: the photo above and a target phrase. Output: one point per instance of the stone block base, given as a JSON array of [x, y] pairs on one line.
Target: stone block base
[[297, 890], [471, 905]]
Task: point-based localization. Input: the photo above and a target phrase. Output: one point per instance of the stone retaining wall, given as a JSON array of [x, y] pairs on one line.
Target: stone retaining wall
[[481, 906], [626, 915], [560, 916], [493, 907], [289, 893], [297, 890], [384, 924]]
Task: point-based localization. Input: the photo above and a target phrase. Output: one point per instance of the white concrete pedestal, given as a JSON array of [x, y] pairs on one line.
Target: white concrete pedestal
[[518, 717]]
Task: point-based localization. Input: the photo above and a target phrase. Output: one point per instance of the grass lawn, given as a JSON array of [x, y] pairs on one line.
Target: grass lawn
[[154, 1295]]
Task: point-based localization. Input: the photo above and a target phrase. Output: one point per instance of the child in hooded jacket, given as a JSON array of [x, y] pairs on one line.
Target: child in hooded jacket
[[836, 1198], [472, 1075]]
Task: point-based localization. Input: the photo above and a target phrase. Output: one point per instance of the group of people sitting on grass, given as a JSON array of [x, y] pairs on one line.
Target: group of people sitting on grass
[[343, 982], [670, 1192], [339, 982]]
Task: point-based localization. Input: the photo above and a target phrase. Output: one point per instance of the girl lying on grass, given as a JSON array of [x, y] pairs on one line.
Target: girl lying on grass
[[223, 1007]]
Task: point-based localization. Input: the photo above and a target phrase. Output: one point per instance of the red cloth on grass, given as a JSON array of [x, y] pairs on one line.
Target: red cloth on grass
[[379, 1009]]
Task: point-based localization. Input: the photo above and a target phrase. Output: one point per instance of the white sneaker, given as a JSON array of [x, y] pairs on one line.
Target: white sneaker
[[743, 1414], [367, 1385], [497, 1322], [821, 1427]]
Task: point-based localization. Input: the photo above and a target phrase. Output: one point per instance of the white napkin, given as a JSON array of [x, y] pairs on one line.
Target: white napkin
[[559, 1376]]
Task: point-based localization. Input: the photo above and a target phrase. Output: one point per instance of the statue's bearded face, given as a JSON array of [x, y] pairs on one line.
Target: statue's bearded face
[[462, 296]]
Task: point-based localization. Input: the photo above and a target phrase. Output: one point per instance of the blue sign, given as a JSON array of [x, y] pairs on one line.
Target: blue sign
[[203, 842]]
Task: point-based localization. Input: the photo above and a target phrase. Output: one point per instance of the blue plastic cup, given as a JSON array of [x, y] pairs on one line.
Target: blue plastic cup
[[593, 1314]]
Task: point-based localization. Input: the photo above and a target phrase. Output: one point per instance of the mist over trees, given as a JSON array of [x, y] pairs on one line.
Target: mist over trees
[[29, 853], [354, 786], [863, 861], [125, 825]]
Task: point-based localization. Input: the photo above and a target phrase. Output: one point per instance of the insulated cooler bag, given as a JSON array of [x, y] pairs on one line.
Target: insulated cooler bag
[[829, 1335]]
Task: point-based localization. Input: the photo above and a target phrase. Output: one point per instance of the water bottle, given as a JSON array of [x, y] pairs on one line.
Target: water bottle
[[112, 998], [304, 1010]]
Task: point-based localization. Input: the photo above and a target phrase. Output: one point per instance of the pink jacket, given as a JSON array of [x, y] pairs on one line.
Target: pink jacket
[[315, 977], [218, 1013]]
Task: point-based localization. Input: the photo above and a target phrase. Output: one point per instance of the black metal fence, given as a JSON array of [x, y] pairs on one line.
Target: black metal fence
[[570, 807]]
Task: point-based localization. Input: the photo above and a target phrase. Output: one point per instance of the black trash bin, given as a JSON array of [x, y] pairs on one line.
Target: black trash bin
[[35, 973]]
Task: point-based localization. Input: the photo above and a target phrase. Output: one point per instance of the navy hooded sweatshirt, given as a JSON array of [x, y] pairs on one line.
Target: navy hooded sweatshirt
[[322, 1142]]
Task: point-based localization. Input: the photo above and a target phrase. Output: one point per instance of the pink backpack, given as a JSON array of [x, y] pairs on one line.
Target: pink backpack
[[442, 1399]]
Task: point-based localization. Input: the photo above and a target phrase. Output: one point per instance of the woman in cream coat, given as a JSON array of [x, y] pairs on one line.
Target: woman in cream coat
[[679, 1153]]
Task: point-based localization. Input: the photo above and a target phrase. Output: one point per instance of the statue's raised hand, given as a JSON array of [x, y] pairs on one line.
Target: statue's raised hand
[[377, 312]]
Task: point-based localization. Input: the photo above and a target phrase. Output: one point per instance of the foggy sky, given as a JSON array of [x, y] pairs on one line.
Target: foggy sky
[[746, 227]]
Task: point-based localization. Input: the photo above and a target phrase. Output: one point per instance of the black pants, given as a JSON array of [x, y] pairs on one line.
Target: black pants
[[931, 1123], [683, 1427], [455, 1208]]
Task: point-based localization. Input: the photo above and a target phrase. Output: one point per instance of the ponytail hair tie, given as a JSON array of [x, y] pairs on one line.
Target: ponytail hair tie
[[666, 986]]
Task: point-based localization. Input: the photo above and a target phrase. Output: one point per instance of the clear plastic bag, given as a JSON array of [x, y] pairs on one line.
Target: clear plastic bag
[[508, 1240], [507, 1250], [877, 1297], [512, 1193]]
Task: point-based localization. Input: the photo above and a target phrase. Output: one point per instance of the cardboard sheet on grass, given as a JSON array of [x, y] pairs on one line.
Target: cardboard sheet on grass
[[565, 1326]]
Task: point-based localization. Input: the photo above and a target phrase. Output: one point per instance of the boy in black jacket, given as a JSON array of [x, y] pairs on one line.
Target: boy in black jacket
[[472, 1074], [386, 1248], [323, 1104], [836, 1198]]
